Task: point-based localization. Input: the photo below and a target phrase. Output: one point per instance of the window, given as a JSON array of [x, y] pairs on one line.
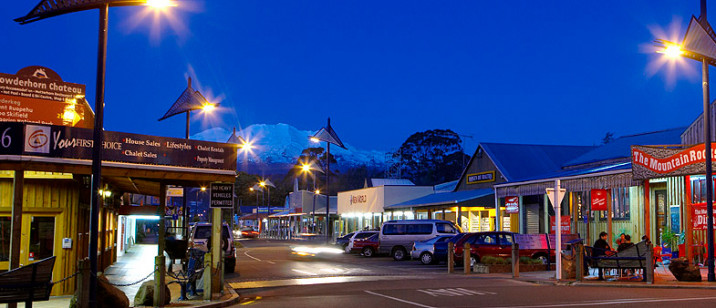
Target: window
[[485, 239], [42, 237], [506, 239], [393, 229], [445, 228], [420, 229], [620, 203], [698, 189], [363, 235], [5, 229]]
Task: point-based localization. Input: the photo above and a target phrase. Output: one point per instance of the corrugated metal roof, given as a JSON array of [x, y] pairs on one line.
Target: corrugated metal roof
[[520, 161], [444, 198], [620, 148], [390, 182], [446, 187]]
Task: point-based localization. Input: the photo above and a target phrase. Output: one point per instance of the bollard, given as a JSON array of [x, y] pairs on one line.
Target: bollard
[[450, 257], [649, 271], [83, 283], [515, 260], [159, 272], [208, 276], [466, 253], [579, 261]]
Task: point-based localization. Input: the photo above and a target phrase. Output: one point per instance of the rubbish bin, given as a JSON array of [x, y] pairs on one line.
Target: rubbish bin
[[568, 266]]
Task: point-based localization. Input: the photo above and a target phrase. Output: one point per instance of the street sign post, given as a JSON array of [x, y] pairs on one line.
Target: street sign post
[[222, 195]]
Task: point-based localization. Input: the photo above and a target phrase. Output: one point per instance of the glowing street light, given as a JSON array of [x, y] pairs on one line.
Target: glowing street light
[[699, 45], [160, 4], [50, 8], [328, 135]]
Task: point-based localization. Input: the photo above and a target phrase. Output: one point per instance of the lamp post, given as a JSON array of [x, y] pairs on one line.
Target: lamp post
[[313, 212], [50, 8], [699, 45], [189, 100], [328, 135], [306, 168]]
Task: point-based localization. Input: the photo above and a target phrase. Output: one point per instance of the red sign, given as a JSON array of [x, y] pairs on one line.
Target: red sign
[[565, 224], [698, 216], [512, 205], [650, 162], [599, 199]]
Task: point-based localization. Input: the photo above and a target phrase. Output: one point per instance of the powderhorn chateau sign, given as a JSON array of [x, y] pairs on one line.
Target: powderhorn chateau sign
[[651, 162]]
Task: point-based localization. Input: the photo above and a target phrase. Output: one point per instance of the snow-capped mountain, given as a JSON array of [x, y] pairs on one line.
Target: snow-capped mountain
[[278, 146]]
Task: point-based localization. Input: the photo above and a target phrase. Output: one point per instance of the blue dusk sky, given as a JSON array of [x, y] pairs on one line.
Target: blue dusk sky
[[546, 72]]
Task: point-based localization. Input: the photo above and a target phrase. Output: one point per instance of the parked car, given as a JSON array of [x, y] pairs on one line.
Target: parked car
[[342, 241], [425, 250], [366, 246], [397, 236], [198, 238], [441, 248], [499, 244], [356, 236], [249, 232]]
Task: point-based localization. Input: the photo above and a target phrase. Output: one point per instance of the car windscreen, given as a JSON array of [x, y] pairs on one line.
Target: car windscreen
[[364, 234]]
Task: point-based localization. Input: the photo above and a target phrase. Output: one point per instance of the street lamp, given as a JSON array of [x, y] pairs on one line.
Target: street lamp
[[257, 188], [189, 100], [699, 45], [313, 212], [266, 183], [328, 135], [50, 8]]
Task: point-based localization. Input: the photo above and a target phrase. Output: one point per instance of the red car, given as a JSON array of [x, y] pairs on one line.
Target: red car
[[249, 233], [367, 246], [497, 244]]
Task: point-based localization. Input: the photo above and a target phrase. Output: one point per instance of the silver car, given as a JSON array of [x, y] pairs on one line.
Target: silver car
[[425, 250]]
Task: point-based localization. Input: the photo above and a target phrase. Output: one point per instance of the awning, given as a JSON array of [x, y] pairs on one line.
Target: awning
[[448, 199]]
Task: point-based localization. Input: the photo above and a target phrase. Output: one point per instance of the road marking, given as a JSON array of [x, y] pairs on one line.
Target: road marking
[[304, 272], [612, 302], [400, 300], [248, 255], [454, 292], [270, 262]]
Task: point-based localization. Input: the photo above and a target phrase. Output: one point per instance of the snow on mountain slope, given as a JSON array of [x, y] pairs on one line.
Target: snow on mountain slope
[[283, 143]]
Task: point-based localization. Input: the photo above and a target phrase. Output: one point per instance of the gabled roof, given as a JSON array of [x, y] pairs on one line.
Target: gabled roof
[[520, 161], [620, 148]]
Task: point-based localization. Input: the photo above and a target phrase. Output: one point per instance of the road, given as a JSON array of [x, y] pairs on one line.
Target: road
[[270, 277]]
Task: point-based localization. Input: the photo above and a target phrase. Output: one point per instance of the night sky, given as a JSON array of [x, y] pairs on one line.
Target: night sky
[[500, 71]]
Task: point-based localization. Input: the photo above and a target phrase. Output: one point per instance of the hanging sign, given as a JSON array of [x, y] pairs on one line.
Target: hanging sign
[[38, 95], [599, 199], [512, 205], [698, 216], [654, 161], [565, 225]]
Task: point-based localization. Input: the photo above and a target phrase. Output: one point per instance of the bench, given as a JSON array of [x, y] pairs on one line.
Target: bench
[[192, 270], [634, 257], [27, 283]]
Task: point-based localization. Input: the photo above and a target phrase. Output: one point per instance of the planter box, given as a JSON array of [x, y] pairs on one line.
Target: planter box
[[507, 268]]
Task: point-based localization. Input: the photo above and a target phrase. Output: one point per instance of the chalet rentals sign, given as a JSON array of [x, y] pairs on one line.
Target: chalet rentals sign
[[652, 162]]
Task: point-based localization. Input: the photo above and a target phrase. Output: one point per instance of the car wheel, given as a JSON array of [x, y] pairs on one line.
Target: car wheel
[[542, 258], [427, 258], [368, 252], [399, 254]]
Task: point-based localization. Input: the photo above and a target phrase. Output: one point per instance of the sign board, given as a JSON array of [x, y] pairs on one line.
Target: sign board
[[560, 195], [654, 162], [675, 218], [512, 205], [221, 195], [698, 216], [38, 95], [481, 177], [175, 192], [565, 224], [599, 199], [505, 223], [76, 143]]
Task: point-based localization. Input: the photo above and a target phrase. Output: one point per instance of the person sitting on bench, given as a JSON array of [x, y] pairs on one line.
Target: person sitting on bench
[[601, 248]]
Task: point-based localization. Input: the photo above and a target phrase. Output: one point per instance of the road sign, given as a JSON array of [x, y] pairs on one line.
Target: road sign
[[222, 195], [550, 194]]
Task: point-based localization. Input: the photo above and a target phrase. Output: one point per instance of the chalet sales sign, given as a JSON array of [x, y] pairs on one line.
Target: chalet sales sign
[[652, 161], [222, 195]]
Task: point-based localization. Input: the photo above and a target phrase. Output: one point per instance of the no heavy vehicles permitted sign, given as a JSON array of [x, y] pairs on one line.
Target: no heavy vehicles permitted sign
[[222, 195]]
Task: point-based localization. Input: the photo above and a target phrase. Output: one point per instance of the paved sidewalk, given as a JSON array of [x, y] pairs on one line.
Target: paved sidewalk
[[137, 266]]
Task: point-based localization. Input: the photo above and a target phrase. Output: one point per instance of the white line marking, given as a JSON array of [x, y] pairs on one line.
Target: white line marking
[[612, 302], [248, 255], [304, 272], [400, 300]]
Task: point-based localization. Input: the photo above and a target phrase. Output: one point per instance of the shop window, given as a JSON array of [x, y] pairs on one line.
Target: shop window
[[5, 228], [698, 189], [620, 203], [42, 237]]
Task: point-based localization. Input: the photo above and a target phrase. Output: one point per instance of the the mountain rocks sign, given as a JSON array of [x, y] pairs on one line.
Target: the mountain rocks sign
[[653, 161], [76, 143]]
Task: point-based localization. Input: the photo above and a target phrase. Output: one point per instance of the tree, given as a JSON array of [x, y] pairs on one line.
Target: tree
[[431, 157]]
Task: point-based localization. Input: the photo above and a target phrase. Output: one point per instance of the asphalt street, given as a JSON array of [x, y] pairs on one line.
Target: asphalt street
[[270, 277]]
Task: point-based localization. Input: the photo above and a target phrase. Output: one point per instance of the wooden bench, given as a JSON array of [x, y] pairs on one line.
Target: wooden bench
[[634, 257], [28, 283]]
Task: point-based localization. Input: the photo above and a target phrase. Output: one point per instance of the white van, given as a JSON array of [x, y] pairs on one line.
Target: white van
[[398, 236]]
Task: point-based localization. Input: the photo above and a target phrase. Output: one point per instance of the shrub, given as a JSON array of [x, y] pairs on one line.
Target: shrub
[[493, 260]]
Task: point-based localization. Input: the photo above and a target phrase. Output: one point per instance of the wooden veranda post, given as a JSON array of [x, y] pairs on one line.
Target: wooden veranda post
[[18, 185], [609, 218], [647, 209]]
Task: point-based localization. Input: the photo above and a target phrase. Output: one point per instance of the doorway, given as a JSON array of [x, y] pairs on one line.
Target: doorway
[[660, 198]]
